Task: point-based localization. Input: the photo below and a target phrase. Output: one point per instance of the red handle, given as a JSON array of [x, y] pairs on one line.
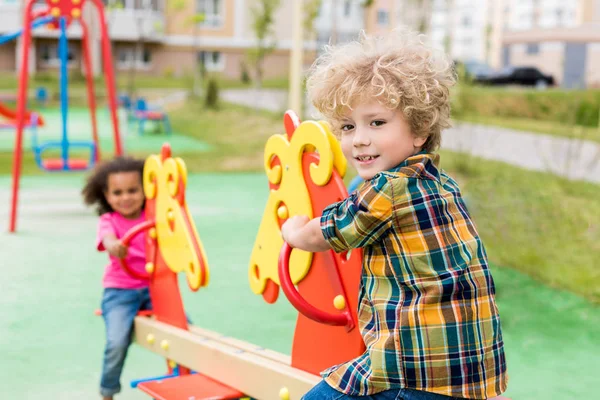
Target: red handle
[[133, 232], [342, 319]]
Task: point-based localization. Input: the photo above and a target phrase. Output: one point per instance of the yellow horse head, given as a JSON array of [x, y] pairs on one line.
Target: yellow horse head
[[165, 179], [289, 194]]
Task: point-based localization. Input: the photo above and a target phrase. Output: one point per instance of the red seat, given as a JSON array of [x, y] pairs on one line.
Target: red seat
[[151, 115], [185, 387], [56, 164]]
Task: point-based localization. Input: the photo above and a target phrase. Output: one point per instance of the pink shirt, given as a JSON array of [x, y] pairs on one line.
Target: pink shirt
[[114, 275]]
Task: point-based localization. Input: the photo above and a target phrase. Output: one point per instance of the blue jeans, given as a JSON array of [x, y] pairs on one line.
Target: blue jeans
[[119, 308], [322, 391]]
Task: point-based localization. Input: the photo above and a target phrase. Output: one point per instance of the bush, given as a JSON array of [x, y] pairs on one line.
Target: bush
[[573, 107], [245, 75], [212, 94]]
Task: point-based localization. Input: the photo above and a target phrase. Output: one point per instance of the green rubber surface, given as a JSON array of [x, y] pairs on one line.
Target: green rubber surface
[[51, 343], [80, 128]]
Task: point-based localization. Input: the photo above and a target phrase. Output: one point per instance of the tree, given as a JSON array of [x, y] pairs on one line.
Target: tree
[[311, 12], [263, 14], [194, 19]]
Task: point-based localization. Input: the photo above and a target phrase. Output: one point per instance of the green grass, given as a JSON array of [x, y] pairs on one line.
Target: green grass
[[536, 126], [534, 222], [50, 80], [236, 135]]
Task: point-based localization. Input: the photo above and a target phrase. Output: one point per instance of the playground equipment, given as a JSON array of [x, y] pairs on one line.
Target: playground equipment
[[143, 113], [305, 169], [33, 120], [59, 14]]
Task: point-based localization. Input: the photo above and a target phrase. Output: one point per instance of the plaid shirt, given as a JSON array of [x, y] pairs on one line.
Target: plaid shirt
[[426, 311]]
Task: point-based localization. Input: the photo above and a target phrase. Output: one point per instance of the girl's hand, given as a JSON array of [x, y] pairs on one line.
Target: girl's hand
[[116, 249], [292, 226]]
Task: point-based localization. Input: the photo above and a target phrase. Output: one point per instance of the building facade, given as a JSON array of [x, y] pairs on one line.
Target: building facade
[[164, 37], [559, 37]]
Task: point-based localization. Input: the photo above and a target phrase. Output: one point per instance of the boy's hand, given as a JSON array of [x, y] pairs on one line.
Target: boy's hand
[[301, 232], [116, 249], [292, 226]]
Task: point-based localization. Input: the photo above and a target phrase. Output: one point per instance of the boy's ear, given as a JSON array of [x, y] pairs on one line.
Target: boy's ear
[[419, 141]]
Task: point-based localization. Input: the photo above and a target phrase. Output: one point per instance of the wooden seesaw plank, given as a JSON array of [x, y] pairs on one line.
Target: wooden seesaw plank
[[242, 345], [255, 375]]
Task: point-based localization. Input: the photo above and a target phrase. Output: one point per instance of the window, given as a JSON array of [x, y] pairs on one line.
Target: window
[[49, 54], [128, 56], [213, 61], [347, 8], [533, 48], [213, 12], [382, 17]]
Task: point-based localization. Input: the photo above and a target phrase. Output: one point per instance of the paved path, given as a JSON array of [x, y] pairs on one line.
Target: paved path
[[571, 158]]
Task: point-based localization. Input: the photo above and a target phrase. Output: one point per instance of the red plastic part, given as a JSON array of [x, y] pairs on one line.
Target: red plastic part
[[133, 232], [303, 306], [330, 275], [186, 387], [271, 292], [11, 116], [151, 115], [57, 164]]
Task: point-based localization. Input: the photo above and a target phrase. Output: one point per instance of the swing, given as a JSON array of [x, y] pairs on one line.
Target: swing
[[65, 162]]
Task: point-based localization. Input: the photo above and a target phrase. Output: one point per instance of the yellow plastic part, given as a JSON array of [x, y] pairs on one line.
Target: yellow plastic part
[[284, 394], [152, 233], [282, 212], [76, 13], [150, 338], [175, 239], [172, 364], [339, 161], [164, 344], [76, 2], [55, 12], [149, 267], [293, 192], [339, 302]]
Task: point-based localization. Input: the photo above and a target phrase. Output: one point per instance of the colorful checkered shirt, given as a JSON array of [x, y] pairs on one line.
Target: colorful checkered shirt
[[426, 308]]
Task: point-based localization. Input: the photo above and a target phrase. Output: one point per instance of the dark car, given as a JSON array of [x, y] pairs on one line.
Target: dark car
[[526, 76]]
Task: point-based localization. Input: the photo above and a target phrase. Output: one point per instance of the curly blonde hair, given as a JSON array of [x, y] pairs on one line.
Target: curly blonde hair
[[398, 70]]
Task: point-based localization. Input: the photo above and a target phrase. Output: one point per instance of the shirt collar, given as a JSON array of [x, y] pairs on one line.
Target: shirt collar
[[420, 165]]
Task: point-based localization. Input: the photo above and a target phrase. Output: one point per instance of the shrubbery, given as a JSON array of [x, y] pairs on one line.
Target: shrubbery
[[572, 107]]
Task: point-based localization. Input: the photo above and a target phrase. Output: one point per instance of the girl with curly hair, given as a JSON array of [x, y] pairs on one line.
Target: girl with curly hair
[[115, 188]]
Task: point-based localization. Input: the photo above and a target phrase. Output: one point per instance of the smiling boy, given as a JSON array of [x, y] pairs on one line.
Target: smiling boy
[[427, 310]]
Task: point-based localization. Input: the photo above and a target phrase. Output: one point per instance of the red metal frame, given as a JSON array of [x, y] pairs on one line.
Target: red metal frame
[[29, 16]]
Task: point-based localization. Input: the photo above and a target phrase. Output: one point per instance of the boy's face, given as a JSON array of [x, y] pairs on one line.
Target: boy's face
[[375, 138]]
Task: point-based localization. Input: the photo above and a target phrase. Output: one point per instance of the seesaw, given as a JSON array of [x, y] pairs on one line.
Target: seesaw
[[305, 168]]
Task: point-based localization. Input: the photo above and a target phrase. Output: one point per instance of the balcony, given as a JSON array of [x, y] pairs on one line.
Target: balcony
[[126, 24], [10, 16], [135, 24]]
